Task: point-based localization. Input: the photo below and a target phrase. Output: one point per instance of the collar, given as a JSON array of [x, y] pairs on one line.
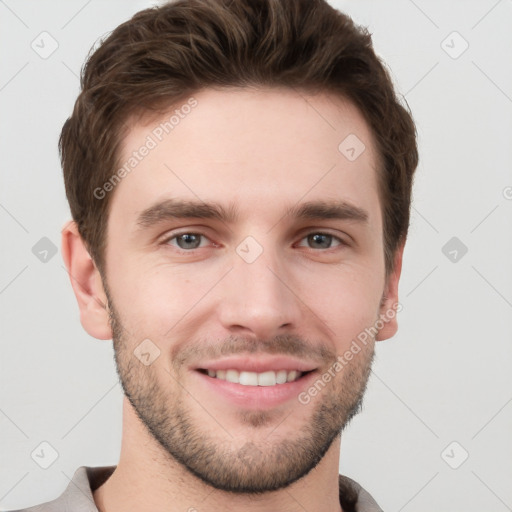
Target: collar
[[78, 495]]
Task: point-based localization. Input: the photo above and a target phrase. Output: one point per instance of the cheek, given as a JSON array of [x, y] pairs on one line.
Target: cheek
[[347, 301], [152, 301]]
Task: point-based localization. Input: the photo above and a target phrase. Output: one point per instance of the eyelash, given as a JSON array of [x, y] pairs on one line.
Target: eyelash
[[167, 241]]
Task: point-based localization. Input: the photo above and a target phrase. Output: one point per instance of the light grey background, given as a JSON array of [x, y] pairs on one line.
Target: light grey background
[[444, 377]]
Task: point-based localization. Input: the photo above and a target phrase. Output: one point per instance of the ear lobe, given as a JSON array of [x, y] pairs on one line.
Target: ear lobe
[[86, 283], [390, 305]]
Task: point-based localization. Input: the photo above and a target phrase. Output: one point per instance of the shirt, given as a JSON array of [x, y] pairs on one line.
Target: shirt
[[78, 496]]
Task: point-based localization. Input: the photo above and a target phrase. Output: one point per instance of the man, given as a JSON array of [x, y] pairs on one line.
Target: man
[[239, 174]]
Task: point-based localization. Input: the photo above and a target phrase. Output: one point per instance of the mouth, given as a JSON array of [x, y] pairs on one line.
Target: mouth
[[248, 378], [254, 381]]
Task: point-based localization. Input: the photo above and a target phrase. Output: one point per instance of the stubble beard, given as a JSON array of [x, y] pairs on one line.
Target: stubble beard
[[258, 466]]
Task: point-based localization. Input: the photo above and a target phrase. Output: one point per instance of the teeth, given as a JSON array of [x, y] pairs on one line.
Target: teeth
[[232, 376], [281, 376], [248, 379], [292, 375], [269, 378]]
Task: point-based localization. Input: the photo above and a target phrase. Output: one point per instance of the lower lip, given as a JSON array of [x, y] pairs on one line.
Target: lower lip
[[258, 397]]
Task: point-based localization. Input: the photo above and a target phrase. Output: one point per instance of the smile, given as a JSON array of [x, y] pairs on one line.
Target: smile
[[245, 378]]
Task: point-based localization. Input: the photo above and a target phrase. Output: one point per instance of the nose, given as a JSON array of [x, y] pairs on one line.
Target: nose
[[258, 298]]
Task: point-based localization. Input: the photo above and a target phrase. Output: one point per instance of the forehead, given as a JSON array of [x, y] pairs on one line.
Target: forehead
[[263, 149]]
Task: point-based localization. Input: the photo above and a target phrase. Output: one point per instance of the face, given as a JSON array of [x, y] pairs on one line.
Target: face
[[244, 257]]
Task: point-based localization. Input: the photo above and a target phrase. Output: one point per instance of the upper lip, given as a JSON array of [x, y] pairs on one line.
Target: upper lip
[[258, 364]]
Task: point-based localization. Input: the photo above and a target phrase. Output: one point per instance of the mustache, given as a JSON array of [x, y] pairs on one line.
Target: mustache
[[283, 344], [286, 345]]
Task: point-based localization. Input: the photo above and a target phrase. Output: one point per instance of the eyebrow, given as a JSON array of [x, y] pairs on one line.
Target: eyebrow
[[191, 209]]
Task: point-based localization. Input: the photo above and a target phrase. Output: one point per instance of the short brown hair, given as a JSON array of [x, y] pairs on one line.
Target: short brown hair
[[165, 53]]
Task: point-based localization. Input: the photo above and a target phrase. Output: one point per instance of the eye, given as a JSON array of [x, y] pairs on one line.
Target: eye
[[189, 241], [186, 241], [323, 240]]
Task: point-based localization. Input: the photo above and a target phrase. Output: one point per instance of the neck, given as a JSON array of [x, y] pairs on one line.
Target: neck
[[146, 478]]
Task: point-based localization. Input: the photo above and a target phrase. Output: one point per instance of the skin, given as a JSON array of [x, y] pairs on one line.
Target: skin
[[264, 150]]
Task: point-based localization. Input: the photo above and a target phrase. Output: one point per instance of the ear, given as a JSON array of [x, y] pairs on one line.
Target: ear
[[390, 305], [87, 284]]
